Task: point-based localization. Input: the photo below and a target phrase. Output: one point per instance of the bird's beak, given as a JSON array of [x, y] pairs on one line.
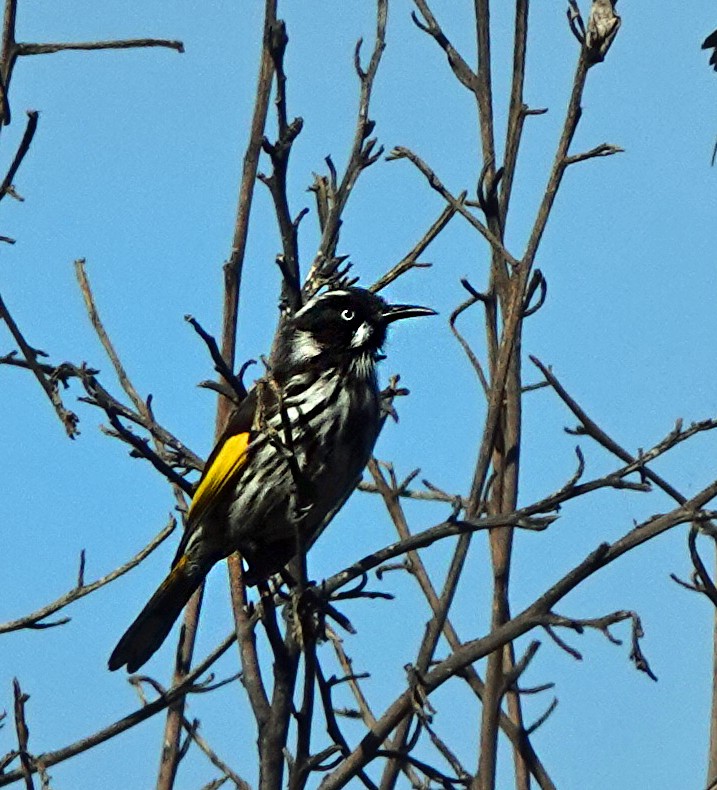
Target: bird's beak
[[395, 312]]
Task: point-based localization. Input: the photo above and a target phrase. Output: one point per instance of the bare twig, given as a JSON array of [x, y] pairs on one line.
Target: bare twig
[[47, 759], [129, 43], [220, 364], [98, 326], [517, 111], [473, 359], [68, 418], [410, 261], [23, 148], [590, 428], [603, 624], [514, 732], [363, 154], [604, 149], [37, 618], [435, 183], [23, 733], [192, 730], [463, 72]]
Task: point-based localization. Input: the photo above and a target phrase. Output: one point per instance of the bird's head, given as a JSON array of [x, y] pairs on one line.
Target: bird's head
[[344, 323]]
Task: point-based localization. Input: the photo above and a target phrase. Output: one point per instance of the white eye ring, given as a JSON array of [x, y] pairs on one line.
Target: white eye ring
[[347, 315]]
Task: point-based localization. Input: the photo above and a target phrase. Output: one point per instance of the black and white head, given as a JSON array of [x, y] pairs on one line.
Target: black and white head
[[343, 324]]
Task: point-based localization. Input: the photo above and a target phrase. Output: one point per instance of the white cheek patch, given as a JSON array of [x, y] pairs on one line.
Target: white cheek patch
[[361, 335], [304, 347]]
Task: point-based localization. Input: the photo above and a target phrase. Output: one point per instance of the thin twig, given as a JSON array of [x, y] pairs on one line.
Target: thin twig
[[27, 763], [410, 261], [400, 152], [176, 692], [129, 43], [418, 570], [363, 154], [68, 418], [35, 620], [192, 729], [23, 148]]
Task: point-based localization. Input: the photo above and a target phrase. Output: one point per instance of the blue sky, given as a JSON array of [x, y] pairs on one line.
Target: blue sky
[[135, 167]]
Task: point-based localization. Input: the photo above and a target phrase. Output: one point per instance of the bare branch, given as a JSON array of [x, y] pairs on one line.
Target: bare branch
[[279, 151], [517, 111], [220, 364], [603, 624], [570, 125], [21, 728], [604, 149], [176, 692], [520, 624], [435, 183], [35, 620], [410, 261], [542, 719], [515, 733], [192, 730], [590, 428], [68, 418], [99, 328], [704, 582], [363, 154], [23, 148], [464, 74], [473, 359], [440, 531], [233, 269], [129, 43]]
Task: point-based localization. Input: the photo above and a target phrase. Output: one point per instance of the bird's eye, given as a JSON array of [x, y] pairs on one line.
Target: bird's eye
[[347, 315]]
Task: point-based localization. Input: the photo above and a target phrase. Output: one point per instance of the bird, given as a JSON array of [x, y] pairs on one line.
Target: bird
[[288, 459], [711, 43], [603, 24]]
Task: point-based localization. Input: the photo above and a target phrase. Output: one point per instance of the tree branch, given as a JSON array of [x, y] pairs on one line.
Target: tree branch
[[35, 620]]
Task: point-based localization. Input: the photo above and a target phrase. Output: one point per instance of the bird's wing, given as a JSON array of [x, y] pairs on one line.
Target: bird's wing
[[226, 460]]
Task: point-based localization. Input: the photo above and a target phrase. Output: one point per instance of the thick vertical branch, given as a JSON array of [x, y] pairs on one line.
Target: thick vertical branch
[[500, 545], [506, 455], [504, 423], [508, 491], [274, 731], [234, 266], [499, 356], [232, 286], [23, 734]]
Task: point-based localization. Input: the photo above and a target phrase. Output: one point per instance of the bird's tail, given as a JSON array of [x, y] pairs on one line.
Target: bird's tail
[[151, 627]]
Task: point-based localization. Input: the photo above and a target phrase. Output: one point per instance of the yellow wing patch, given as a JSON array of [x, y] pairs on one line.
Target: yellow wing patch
[[228, 461]]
